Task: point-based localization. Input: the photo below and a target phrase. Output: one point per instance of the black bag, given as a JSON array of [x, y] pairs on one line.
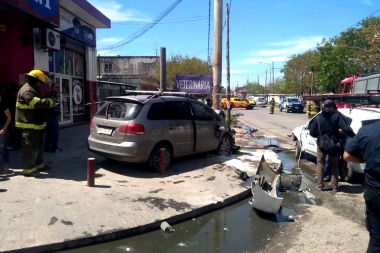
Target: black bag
[[328, 144]]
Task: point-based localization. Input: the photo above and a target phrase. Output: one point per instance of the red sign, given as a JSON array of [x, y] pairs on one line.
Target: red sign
[[46, 10]]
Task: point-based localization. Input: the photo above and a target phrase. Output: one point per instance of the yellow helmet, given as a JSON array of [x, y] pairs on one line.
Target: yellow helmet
[[36, 73]]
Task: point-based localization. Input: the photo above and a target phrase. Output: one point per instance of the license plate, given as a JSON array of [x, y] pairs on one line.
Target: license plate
[[297, 107], [106, 131]]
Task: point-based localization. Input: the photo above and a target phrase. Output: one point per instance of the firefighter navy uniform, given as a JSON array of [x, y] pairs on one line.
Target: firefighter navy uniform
[[31, 118]]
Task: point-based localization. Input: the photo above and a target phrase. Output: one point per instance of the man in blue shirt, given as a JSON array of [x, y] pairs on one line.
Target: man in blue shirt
[[365, 147]]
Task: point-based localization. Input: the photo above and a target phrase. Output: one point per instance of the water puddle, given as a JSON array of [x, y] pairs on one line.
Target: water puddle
[[236, 228]]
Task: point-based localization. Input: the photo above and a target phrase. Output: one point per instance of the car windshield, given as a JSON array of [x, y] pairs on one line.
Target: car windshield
[[293, 100]]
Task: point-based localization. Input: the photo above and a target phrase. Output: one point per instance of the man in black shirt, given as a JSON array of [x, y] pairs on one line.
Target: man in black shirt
[[328, 123], [52, 129], [365, 147]]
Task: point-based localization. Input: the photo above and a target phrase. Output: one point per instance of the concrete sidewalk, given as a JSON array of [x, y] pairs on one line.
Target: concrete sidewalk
[[58, 211]]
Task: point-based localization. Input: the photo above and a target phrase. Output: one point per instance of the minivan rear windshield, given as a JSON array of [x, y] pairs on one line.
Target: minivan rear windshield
[[119, 110]]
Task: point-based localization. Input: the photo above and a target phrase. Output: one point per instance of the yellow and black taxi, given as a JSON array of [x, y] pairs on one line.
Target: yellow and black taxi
[[237, 102]]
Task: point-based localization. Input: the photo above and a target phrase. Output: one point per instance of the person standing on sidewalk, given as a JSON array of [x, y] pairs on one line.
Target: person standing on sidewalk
[[31, 117], [328, 124], [14, 141], [365, 148], [52, 129], [5, 120], [272, 105]]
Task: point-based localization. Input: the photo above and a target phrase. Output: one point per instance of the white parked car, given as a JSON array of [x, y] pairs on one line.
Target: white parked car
[[304, 143], [260, 102]]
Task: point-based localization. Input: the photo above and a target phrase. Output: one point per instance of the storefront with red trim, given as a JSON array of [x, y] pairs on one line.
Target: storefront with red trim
[[58, 37]]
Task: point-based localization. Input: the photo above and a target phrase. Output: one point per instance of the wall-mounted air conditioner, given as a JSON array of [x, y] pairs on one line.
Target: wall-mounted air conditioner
[[50, 39]]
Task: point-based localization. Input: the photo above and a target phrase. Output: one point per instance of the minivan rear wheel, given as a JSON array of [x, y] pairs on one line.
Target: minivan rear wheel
[[154, 159]]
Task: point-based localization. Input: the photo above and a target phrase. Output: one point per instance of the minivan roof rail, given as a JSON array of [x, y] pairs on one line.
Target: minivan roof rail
[[151, 92]]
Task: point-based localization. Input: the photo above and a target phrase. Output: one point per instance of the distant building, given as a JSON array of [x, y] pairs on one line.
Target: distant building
[[240, 91], [131, 71]]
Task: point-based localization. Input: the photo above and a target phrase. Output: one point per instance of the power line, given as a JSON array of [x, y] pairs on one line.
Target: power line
[[143, 30], [162, 23]]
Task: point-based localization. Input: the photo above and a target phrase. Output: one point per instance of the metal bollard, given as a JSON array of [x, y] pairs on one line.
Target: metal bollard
[[90, 172], [162, 161]]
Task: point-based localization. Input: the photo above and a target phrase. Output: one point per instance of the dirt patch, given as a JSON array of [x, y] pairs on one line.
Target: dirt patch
[[319, 229]]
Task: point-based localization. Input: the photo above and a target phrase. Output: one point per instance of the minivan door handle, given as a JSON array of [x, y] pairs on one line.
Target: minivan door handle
[[171, 127], [199, 127]]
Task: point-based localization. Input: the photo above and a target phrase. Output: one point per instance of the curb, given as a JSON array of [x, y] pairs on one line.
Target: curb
[[129, 232]]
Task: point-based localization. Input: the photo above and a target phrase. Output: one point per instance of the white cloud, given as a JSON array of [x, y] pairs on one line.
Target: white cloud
[[368, 2], [115, 11], [280, 51], [111, 40]]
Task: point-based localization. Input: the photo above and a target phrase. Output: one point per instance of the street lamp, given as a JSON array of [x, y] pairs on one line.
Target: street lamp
[[271, 73]]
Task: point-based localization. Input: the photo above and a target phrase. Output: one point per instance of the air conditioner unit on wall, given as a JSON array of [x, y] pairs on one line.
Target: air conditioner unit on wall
[[50, 39]]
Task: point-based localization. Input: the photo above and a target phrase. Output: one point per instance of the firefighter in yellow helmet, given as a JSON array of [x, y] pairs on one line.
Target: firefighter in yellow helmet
[[272, 104], [31, 117]]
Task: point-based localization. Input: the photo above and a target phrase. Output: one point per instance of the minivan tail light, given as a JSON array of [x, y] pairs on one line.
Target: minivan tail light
[[92, 124], [132, 129]]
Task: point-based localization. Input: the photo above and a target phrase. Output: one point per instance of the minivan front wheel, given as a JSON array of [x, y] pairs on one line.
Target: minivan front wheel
[[154, 159], [225, 145]]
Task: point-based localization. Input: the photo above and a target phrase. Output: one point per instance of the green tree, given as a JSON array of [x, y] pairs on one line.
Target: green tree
[[254, 88], [298, 74], [178, 64]]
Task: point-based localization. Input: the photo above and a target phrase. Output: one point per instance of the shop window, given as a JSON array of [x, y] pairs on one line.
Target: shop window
[[107, 66], [64, 61], [67, 62], [78, 64]]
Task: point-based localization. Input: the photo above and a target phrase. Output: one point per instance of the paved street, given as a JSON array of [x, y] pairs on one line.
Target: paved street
[[279, 124]]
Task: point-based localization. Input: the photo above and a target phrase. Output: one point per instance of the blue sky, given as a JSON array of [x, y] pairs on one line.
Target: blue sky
[[260, 30]]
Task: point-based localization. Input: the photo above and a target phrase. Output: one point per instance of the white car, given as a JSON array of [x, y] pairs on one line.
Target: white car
[[304, 143], [260, 102]]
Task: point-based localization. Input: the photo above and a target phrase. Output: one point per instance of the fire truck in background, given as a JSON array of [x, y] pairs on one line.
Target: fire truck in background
[[354, 91]]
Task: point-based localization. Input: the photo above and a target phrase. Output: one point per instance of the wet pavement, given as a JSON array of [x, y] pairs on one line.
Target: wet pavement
[[236, 228]]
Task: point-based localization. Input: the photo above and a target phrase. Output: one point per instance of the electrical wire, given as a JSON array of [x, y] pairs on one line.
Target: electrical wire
[[143, 30], [162, 23]]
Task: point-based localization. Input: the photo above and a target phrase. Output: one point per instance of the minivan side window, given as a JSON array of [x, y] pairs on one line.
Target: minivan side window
[[176, 110], [155, 111], [202, 112]]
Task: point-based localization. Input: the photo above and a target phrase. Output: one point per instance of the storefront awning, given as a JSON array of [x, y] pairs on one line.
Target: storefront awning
[[87, 12]]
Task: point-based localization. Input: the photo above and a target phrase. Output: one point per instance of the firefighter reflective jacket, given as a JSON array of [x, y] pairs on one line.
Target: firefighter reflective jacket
[[31, 108]]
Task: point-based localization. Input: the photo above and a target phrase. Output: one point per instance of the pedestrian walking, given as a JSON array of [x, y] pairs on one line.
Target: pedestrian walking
[[325, 127], [5, 120], [365, 148], [52, 129], [31, 118], [272, 104]]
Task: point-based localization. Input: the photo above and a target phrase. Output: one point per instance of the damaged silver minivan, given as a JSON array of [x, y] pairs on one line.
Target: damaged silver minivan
[[133, 128]]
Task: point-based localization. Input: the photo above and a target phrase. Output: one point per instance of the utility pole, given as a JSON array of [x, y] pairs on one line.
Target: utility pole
[[217, 68], [273, 76], [265, 84], [258, 84], [162, 68], [228, 118]]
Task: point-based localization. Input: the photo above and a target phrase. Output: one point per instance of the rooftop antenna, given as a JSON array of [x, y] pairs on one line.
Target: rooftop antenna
[[155, 48]]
